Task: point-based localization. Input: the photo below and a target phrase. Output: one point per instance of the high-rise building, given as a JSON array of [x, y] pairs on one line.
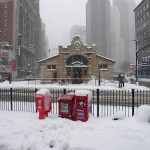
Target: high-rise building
[[20, 26], [117, 42], [6, 37], [127, 32], [142, 28], [98, 25]]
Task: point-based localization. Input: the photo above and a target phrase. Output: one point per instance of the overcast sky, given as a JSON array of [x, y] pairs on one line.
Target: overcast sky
[[59, 16]]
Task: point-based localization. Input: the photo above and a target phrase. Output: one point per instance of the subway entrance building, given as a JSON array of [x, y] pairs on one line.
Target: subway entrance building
[[77, 61]]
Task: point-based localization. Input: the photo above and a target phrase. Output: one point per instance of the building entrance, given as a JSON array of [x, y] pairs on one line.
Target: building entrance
[[77, 76]]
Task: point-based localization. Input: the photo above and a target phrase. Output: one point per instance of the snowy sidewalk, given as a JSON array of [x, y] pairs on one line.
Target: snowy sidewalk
[[23, 131]]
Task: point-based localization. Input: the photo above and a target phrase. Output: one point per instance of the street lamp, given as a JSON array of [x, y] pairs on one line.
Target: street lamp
[[99, 75], [28, 69]]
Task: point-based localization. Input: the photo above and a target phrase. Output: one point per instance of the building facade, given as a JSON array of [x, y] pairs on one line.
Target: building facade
[[98, 25], [77, 61], [20, 26], [7, 56], [142, 26]]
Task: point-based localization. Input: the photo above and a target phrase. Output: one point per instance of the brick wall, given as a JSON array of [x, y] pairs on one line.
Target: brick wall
[[6, 21]]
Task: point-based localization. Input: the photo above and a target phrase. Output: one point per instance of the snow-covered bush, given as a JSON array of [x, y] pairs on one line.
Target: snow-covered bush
[[143, 113]]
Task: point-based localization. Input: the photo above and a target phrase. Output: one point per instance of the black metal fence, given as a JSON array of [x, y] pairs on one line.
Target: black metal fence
[[61, 81], [104, 102]]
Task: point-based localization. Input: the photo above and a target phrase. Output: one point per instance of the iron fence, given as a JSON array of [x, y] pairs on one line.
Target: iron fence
[[61, 81], [104, 102]]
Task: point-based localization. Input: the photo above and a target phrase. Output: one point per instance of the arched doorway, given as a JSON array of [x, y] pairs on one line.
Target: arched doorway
[[77, 63]]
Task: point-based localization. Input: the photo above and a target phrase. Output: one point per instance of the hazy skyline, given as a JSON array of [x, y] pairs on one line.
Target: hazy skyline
[[59, 16]]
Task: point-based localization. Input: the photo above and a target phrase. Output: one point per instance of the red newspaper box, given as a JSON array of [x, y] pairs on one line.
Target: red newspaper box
[[43, 102], [66, 106], [83, 104]]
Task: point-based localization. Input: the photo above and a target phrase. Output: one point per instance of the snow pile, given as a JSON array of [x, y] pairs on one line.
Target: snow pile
[[120, 115], [143, 113]]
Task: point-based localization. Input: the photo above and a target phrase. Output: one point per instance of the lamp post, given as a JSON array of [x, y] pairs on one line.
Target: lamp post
[[19, 41], [99, 75], [28, 69], [136, 61]]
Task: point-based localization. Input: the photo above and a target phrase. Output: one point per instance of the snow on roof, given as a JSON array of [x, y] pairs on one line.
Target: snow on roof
[[77, 36], [48, 58], [105, 58], [85, 44], [93, 45]]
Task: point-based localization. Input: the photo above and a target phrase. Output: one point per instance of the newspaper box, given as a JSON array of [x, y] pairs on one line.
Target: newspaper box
[[83, 104], [66, 106], [43, 102]]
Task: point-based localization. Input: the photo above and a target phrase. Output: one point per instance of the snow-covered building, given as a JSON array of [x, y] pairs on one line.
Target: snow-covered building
[[77, 61]]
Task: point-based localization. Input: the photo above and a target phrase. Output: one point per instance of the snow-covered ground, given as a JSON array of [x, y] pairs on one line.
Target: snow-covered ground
[[92, 84], [24, 131]]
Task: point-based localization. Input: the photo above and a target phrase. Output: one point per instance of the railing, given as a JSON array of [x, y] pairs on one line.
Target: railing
[[104, 102], [60, 81]]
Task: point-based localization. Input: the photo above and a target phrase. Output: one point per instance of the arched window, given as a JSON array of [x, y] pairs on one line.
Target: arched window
[[77, 59]]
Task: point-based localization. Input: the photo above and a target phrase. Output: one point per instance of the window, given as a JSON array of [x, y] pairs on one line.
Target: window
[[5, 22], [140, 11], [5, 13], [149, 59], [104, 66], [147, 5], [144, 7], [0, 35], [5, 4], [145, 59], [75, 59], [51, 67], [147, 14], [5, 31], [69, 72], [85, 72]]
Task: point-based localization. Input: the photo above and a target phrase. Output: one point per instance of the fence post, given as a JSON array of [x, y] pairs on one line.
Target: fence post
[[35, 101], [133, 91], [64, 91], [97, 102], [11, 105]]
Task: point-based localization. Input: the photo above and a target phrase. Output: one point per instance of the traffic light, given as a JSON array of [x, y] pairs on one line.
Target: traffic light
[[19, 39], [132, 66]]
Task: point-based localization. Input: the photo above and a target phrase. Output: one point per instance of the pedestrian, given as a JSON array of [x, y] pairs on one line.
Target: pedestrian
[[120, 80], [9, 78]]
